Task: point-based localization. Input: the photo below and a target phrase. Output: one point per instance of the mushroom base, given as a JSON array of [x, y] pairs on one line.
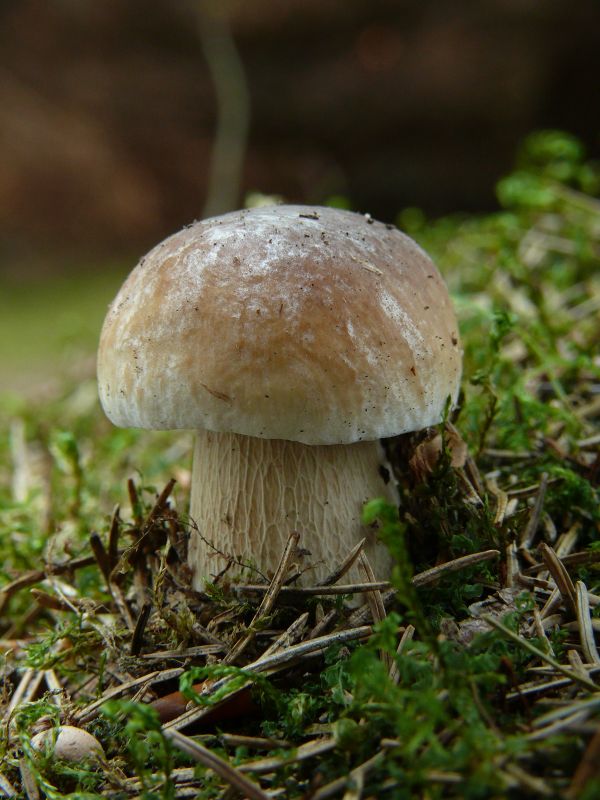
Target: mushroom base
[[249, 494]]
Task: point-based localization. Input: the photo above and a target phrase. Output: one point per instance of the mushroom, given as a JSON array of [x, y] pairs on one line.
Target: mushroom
[[68, 743], [291, 339]]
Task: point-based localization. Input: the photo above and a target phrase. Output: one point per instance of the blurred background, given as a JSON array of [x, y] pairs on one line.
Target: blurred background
[[122, 121]]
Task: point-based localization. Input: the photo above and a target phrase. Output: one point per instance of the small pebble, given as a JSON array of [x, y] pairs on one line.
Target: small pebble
[[71, 744]]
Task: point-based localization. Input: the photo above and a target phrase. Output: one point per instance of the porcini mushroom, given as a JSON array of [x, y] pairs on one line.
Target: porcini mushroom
[[291, 339]]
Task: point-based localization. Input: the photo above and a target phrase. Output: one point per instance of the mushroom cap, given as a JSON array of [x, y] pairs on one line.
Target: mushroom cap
[[310, 324]]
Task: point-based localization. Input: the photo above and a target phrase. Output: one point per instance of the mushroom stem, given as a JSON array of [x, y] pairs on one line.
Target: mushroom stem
[[249, 494]]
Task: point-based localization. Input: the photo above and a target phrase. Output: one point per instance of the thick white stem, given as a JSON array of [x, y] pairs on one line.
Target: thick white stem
[[249, 494]]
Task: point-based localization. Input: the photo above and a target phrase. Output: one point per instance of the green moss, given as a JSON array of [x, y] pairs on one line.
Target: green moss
[[526, 287]]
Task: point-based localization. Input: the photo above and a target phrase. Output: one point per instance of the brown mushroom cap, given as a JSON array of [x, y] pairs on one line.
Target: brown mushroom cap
[[310, 324]]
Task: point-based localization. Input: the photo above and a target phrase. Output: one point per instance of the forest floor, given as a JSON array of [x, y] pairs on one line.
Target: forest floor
[[473, 673]]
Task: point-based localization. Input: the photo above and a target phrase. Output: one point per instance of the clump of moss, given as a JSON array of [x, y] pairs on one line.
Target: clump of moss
[[479, 678]]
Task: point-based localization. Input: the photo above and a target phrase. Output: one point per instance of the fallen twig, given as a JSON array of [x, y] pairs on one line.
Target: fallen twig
[[221, 767]]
